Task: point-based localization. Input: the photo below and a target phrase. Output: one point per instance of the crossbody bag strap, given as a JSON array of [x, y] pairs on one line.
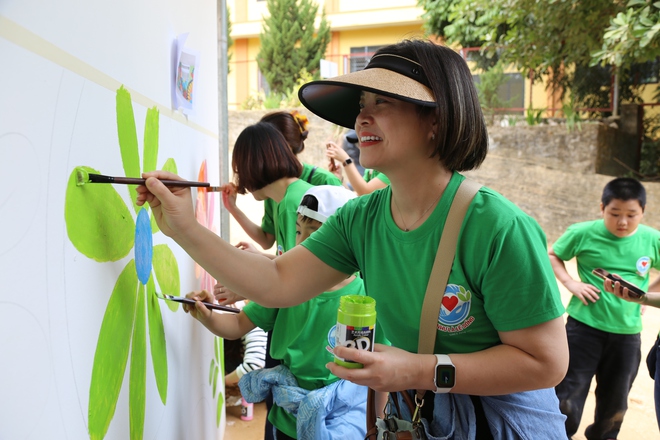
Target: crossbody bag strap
[[434, 290], [428, 325]]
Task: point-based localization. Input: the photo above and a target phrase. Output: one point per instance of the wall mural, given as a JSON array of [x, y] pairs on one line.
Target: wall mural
[[204, 209], [108, 232]]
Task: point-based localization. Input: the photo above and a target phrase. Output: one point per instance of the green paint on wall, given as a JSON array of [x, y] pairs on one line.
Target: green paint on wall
[[98, 222], [166, 270], [218, 368], [157, 340], [128, 144], [150, 140], [101, 226], [111, 354], [138, 383], [218, 413]]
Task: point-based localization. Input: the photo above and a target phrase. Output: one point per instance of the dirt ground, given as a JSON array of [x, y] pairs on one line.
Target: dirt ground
[[639, 422]]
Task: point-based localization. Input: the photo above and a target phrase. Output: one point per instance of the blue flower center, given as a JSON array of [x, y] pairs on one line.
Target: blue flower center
[[144, 249]]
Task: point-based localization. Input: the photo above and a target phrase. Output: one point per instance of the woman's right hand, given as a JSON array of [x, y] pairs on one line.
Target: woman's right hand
[[199, 310], [248, 247], [224, 296], [171, 206], [334, 151], [229, 197]]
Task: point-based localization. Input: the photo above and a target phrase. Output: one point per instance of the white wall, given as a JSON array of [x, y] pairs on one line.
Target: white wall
[[62, 63]]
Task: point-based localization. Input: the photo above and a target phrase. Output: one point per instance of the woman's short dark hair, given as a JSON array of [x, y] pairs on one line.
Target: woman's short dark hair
[[293, 132], [624, 188], [461, 138], [262, 156]]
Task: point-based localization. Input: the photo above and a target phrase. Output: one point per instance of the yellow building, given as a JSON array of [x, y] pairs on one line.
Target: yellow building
[[359, 28]]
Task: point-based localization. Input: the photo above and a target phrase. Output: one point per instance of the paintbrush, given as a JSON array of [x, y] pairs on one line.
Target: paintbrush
[[83, 177], [184, 300]]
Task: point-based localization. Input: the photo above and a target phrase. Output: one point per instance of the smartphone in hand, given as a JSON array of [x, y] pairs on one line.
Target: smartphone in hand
[[633, 291]]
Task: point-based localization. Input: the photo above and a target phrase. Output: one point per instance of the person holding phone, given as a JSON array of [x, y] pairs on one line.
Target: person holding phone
[[603, 330]]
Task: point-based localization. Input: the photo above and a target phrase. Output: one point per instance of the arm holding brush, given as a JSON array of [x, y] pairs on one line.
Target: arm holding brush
[[291, 279], [225, 296], [228, 326]]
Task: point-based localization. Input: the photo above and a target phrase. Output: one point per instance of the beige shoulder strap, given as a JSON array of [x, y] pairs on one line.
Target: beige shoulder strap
[[444, 259]]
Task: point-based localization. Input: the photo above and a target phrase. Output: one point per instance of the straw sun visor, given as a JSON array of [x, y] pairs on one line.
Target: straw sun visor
[[337, 99]]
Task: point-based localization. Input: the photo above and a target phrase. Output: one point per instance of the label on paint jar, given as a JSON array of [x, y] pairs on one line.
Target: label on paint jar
[[356, 326]]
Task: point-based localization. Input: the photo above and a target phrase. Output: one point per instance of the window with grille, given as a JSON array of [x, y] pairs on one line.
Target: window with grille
[[360, 57], [646, 73], [511, 92]]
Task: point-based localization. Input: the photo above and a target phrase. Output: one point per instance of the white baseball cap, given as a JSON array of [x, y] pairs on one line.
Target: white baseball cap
[[329, 197]]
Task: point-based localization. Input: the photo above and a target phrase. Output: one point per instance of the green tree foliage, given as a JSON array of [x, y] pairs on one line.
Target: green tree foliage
[[445, 18], [562, 39], [488, 87], [290, 44], [633, 35], [538, 36]]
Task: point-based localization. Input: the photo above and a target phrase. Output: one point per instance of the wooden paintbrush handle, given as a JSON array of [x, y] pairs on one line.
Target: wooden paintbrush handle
[[136, 181]]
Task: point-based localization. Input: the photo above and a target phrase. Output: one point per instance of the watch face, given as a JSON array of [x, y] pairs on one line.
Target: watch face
[[445, 376]]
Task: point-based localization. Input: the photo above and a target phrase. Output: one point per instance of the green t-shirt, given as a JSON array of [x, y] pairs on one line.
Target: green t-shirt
[[320, 177], [630, 257], [303, 337], [286, 214], [373, 174], [501, 279]]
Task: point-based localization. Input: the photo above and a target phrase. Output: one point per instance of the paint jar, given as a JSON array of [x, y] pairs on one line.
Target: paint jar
[[247, 410], [356, 326]]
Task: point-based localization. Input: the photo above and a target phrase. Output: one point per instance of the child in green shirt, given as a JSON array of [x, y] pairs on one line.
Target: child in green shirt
[[302, 339], [603, 330]]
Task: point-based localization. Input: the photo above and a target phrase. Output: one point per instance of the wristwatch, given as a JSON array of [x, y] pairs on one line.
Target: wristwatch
[[348, 161], [445, 374]]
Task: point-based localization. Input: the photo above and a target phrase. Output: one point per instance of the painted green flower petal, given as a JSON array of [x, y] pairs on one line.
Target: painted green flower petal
[[150, 140], [219, 354], [218, 414], [98, 222], [166, 270], [211, 367], [170, 165], [128, 143], [138, 381], [157, 340], [214, 384], [111, 354]]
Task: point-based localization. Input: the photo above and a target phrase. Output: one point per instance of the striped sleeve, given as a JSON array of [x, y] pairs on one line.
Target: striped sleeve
[[254, 358]]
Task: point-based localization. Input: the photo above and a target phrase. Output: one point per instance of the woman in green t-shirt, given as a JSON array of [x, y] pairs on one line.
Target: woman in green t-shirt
[[293, 127], [501, 344]]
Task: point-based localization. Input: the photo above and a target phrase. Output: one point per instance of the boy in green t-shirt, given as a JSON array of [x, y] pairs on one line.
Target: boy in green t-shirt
[[302, 338], [603, 330]]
